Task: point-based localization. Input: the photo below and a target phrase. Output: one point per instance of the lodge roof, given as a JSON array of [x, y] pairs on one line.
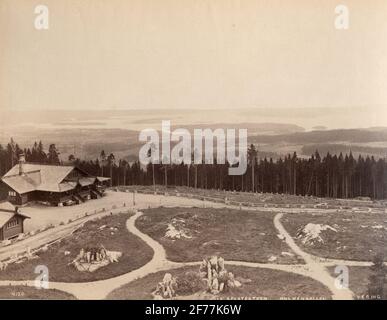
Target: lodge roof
[[86, 181], [41, 177], [102, 179]]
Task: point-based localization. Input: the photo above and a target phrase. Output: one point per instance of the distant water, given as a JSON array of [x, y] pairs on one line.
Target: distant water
[[308, 118]]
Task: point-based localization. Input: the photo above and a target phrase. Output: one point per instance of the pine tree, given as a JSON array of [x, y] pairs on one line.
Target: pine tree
[[53, 154]]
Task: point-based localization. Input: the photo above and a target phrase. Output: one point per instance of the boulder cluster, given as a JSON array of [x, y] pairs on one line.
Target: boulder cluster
[[217, 278], [167, 287], [90, 259], [93, 254], [212, 278]]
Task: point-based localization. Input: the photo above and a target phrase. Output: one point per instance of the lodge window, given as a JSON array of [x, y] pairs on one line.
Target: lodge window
[[12, 223], [12, 193]]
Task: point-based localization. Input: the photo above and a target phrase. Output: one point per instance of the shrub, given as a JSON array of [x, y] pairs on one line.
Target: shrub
[[189, 283], [377, 280]]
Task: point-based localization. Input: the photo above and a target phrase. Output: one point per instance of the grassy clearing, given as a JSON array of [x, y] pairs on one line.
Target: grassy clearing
[[114, 236], [232, 234], [360, 236], [24, 292], [358, 280], [258, 284]]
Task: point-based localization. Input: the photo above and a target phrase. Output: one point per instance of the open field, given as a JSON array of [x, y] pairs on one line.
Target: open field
[[109, 231], [189, 229], [358, 280], [24, 292], [232, 234], [268, 199], [42, 216], [357, 236], [257, 284]]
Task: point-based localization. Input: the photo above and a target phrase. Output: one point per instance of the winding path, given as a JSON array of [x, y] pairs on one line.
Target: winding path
[[314, 267], [100, 289]]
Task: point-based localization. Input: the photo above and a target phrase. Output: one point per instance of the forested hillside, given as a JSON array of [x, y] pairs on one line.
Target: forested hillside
[[338, 176]]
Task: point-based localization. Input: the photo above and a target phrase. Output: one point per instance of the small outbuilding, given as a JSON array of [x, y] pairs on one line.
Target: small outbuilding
[[11, 221]]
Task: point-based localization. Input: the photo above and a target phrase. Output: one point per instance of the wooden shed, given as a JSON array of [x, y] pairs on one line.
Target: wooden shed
[[11, 221]]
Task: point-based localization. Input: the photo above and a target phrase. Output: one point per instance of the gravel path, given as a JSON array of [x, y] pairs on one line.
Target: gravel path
[[314, 267]]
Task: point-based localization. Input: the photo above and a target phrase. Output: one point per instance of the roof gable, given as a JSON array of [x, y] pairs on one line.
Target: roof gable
[[7, 206], [7, 212], [6, 216], [22, 184]]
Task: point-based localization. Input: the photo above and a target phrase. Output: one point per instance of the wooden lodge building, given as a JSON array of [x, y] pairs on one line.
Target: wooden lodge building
[[11, 221], [54, 184]]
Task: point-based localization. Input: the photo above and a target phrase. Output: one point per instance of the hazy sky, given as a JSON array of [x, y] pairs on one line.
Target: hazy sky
[[192, 54]]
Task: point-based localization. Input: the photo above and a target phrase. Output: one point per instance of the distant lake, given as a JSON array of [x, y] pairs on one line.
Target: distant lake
[[331, 118]]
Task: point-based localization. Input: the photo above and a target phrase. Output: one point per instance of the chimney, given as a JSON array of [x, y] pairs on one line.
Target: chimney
[[22, 160]]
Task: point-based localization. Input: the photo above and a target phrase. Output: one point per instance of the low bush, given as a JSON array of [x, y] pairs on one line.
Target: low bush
[[190, 283]]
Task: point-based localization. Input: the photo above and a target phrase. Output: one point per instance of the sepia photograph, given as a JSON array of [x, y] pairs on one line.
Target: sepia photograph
[[200, 150]]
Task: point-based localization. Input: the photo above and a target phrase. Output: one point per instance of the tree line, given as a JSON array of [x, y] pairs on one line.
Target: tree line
[[335, 176], [9, 155]]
